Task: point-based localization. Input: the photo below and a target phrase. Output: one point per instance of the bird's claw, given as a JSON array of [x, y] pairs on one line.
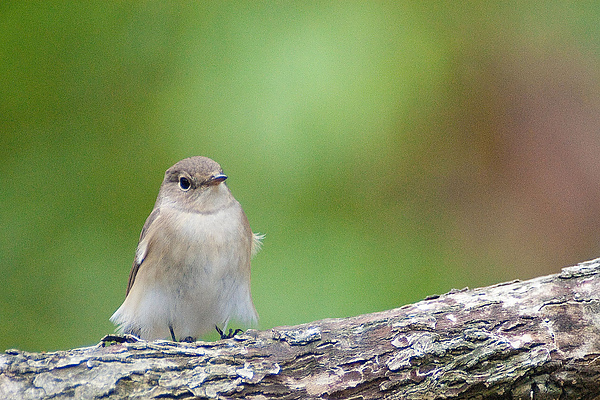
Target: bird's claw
[[126, 338], [229, 334]]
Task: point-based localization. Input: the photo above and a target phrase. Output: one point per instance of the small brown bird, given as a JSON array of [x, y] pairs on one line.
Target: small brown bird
[[191, 271]]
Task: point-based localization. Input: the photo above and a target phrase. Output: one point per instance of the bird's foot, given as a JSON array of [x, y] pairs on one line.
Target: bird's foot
[[126, 338], [229, 334]]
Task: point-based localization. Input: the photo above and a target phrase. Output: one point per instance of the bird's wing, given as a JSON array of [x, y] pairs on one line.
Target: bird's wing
[[142, 249]]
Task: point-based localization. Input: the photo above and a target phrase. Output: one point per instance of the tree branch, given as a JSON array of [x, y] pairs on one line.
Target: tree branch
[[517, 340]]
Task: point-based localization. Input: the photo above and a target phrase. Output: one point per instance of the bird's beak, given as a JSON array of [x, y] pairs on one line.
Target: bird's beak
[[215, 180]]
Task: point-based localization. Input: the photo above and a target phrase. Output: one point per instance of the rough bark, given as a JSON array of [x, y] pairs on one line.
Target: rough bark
[[536, 339]]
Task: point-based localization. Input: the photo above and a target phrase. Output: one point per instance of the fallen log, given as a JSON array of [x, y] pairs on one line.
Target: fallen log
[[536, 339]]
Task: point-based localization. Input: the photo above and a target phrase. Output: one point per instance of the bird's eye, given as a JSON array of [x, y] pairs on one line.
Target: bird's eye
[[184, 183]]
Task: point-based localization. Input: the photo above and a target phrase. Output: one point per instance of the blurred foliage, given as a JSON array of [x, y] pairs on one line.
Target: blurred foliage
[[388, 150]]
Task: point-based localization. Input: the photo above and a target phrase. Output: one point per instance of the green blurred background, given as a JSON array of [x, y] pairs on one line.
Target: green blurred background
[[388, 150]]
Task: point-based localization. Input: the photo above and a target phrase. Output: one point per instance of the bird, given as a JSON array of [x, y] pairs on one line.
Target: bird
[[191, 270]]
